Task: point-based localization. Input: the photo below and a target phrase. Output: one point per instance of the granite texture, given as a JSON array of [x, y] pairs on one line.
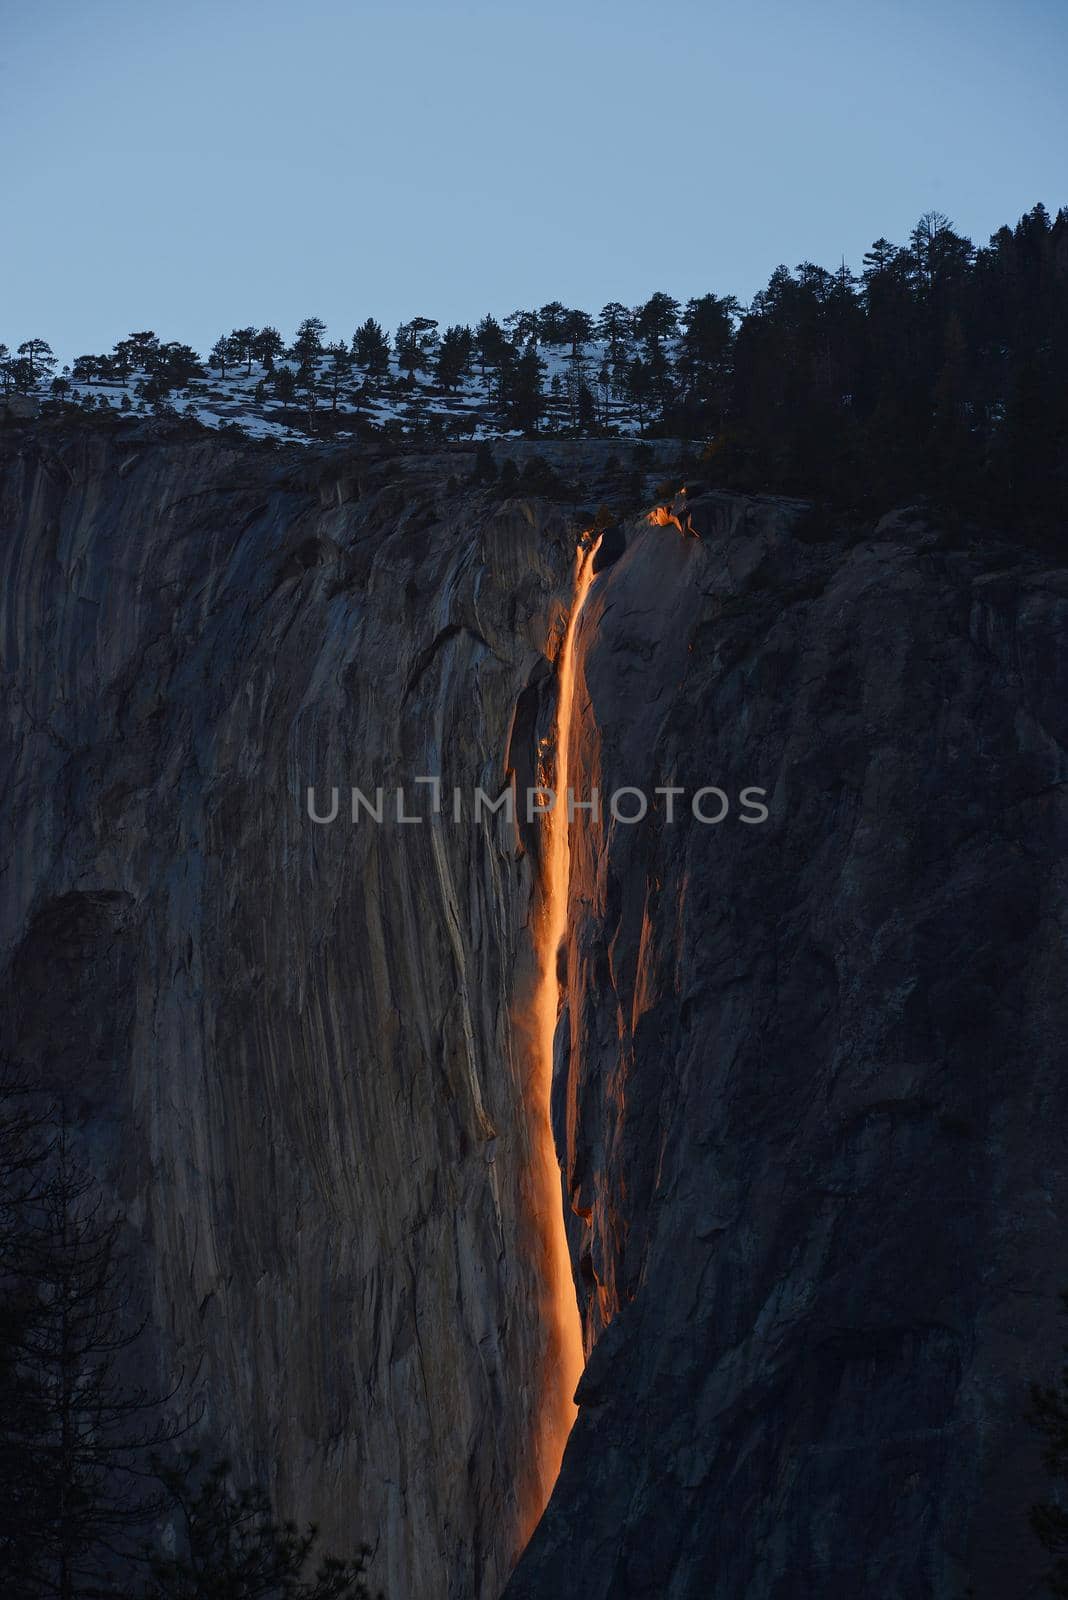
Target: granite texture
[[810, 1093], [290, 1048], [815, 1068]]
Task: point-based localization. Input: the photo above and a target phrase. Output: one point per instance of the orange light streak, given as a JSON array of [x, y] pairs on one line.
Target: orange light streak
[[566, 1358]]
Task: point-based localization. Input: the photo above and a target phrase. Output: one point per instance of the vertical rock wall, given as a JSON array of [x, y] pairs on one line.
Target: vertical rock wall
[[290, 1048], [816, 1105], [810, 1093]]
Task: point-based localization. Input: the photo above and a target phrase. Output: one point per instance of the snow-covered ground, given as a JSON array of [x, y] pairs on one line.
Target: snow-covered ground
[[248, 400]]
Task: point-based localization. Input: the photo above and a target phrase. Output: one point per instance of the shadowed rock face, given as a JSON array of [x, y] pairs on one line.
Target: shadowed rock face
[[809, 1094], [815, 1096]]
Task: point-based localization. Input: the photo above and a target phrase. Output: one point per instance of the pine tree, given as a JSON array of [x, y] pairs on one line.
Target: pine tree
[[578, 330], [490, 346], [23, 377], [38, 354], [25, 1142], [654, 322], [614, 327], [604, 384], [639, 389], [267, 347], [309, 340], [556, 406], [360, 397], [414, 411], [454, 356], [927, 243], [370, 347], [81, 1432], [232, 1547], [525, 399], [243, 344], [880, 258], [306, 380], [522, 327], [577, 383], [552, 319], [415, 343], [705, 346], [122, 359], [86, 368], [340, 358], [176, 365], [587, 410], [285, 384], [222, 355], [142, 348]]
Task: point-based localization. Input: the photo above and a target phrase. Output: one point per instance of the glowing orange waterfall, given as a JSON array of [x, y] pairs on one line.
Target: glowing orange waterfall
[[561, 1307]]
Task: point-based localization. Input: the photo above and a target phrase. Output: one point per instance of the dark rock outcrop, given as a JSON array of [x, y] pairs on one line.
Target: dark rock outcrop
[[816, 1095], [810, 1095]]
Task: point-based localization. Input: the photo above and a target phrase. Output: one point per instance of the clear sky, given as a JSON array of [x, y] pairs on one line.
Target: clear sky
[[193, 165]]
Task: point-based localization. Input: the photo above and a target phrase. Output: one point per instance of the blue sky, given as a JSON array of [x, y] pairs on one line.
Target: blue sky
[[188, 167]]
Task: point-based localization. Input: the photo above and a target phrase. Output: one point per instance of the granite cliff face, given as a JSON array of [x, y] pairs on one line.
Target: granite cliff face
[[291, 1046], [815, 1097], [809, 1091]]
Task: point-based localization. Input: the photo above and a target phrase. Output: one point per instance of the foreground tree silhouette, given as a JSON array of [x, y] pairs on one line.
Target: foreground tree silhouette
[[231, 1547], [76, 1435], [25, 1142], [1048, 1414], [88, 1478]]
